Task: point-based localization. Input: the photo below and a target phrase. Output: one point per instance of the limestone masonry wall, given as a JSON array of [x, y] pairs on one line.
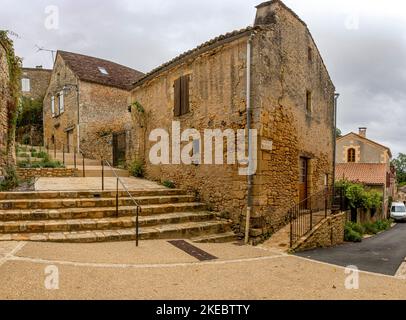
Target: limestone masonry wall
[[26, 174], [39, 81], [328, 233], [286, 66]]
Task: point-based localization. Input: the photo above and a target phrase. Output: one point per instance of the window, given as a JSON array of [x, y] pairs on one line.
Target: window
[[61, 102], [103, 71], [181, 88], [351, 155], [308, 101], [26, 85], [53, 106]]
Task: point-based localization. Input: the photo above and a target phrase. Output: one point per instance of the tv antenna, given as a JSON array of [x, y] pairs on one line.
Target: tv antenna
[[47, 50]]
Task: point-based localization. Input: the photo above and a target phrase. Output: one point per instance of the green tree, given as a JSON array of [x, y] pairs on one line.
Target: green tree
[[400, 165]]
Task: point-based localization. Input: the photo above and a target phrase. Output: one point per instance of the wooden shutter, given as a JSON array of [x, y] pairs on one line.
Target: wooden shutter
[[177, 89], [185, 95]]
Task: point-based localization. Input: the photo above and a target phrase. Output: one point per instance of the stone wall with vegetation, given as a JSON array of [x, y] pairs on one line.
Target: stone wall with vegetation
[[26, 174], [328, 233], [282, 73], [9, 95]]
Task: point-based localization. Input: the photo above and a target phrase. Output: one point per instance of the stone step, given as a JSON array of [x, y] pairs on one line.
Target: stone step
[[46, 226], [38, 204], [86, 194], [98, 213], [171, 231], [216, 238]]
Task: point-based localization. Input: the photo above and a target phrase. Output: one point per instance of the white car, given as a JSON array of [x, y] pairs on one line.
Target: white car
[[398, 211]]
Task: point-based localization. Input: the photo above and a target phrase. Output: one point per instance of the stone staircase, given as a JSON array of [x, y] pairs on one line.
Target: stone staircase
[[85, 217]]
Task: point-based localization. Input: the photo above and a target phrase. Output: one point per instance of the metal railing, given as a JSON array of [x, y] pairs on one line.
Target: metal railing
[[66, 150], [306, 214], [136, 204]]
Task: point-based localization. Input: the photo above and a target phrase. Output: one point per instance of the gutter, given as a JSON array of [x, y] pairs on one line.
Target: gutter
[[336, 96], [250, 156]]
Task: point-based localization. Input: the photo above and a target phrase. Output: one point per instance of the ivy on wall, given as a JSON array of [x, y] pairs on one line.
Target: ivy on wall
[[14, 69]]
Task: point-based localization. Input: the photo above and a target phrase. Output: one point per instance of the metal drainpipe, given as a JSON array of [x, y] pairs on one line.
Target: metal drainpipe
[[336, 96], [249, 118], [78, 125]]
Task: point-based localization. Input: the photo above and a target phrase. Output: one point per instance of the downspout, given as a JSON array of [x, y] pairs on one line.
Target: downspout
[[250, 156], [336, 96], [78, 124]]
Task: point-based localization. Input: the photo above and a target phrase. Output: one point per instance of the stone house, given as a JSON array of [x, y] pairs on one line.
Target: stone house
[[35, 82], [401, 194], [86, 106], [365, 161], [269, 77], [7, 154]]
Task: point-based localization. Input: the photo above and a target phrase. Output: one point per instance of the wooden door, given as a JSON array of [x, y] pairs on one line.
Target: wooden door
[[69, 141], [303, 188], [119, 148]]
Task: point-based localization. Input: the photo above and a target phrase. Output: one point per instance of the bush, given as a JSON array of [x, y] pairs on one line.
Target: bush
[[137, 169], [371, 228], [354, 232], [10, 180], [23, 155], [169, 184]]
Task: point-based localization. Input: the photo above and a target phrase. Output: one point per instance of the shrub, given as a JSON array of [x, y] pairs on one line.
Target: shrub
[[169, 184], [23, 155], [352, 236], [137, 169], [10, 180], [371, 228]]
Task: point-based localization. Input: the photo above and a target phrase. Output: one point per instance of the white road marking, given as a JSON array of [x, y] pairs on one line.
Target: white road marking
[[138, 266], [401, 273], [10, 255]]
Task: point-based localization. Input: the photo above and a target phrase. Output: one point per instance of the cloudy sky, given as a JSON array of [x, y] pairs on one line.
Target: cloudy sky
[[363, 43]]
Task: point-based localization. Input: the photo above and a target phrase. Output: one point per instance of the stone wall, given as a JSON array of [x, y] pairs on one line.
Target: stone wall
[[39, 81], [5, 99], [26, 174], [282, 73], [328, 233], [103, 110]]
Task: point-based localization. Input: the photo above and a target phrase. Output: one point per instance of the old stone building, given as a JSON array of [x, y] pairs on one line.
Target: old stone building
[[35, 82], [269, 77], [365, 161], [86, 104], [7, 103]]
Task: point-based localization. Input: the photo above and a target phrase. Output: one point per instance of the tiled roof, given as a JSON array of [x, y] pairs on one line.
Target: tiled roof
[[367, 173], [87, 69], [205, 46]]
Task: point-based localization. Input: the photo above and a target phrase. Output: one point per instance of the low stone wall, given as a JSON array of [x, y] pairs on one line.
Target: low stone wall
[[328, 233], [26, 174]]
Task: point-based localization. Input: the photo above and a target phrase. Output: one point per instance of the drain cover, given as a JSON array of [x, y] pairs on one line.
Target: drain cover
[[192, 250]]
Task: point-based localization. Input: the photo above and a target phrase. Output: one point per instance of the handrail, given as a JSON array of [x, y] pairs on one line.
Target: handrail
[[131, 197]]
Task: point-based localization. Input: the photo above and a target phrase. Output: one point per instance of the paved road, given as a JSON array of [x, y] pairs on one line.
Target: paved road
[[383, 253]]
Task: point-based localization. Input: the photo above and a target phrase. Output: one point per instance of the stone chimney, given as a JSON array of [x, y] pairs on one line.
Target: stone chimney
[[265, 13], [363, 132]]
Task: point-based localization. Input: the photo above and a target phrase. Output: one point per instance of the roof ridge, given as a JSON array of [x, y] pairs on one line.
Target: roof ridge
[[365, 138]]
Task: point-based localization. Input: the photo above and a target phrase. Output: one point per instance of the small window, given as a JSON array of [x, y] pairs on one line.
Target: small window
[[196, 152], [61, 102], [351, 155], [182, 104], [26, 85], [309, 101], [53, 106], [103, 71]]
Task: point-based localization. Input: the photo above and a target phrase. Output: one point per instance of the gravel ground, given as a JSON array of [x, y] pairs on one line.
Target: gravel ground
[[159, 271]]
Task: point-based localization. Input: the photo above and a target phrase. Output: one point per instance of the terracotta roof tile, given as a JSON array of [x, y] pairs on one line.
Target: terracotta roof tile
[[367, 173], [87, 69]]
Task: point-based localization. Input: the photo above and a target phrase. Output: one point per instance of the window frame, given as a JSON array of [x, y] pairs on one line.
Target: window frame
[[61, 102], [53, 106], [26, 83], [351, 155]]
